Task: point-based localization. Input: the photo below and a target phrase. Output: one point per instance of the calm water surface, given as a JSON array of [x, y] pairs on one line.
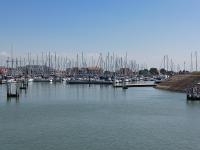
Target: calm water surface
[[79, 117]]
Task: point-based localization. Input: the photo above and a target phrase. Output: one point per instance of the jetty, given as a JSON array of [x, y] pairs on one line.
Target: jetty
[[134, 85], [89, 82]]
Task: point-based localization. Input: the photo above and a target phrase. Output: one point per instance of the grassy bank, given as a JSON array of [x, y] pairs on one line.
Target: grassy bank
[[180, 82]]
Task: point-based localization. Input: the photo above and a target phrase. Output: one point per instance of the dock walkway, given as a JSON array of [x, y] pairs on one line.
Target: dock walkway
[[134, 85], [89, 82]]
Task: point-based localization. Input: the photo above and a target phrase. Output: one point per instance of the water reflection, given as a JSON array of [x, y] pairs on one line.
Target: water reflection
[[191, 103], [21, 91], [10, 99]]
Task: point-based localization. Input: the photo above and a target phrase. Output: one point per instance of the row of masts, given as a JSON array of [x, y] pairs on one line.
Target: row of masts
[[196, 61], [108, 62], [169, 65]]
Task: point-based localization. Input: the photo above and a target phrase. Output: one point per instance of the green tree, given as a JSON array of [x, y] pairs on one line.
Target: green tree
[[144, 72], [163, 71], [154, 71]]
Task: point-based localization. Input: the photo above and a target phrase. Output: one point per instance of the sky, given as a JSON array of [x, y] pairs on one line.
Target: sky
[[145, 29]]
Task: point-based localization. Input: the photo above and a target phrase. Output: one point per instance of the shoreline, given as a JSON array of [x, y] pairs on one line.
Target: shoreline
[[179, 83], [167, 88]]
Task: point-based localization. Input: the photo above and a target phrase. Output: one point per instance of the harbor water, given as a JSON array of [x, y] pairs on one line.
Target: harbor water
[[82, 117]]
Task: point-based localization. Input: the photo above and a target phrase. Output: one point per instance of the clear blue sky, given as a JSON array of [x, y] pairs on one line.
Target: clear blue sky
[[146, 29]]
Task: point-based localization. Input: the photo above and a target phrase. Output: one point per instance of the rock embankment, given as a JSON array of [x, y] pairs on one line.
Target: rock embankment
[[180, 82]]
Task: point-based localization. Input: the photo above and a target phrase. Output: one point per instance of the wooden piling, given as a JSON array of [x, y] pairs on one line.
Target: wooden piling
[[23, 85], [11, 92]]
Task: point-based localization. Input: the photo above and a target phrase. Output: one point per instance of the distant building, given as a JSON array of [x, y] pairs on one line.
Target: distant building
[[3, 70], [84, 71], [125, 71], [33, 70], [94, 70]]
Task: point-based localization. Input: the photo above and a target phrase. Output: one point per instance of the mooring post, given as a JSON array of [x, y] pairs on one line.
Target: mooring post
[[8, 88]]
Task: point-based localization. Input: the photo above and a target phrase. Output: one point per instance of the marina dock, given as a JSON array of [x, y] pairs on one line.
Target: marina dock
[[134, 85], [89, 82]]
